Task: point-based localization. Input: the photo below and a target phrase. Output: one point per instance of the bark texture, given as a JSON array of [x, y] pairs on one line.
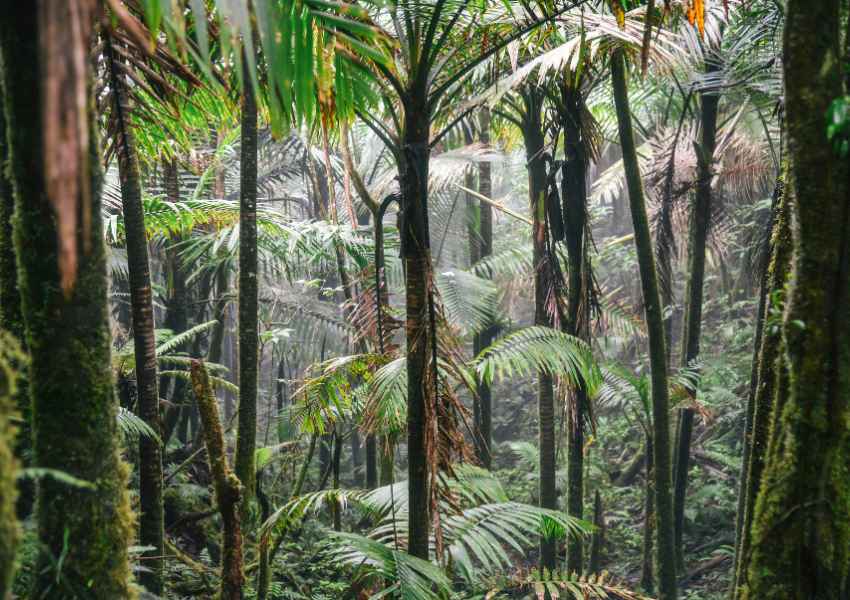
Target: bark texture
[[228, 490], [801, 529], [151, 517], [68, 338]]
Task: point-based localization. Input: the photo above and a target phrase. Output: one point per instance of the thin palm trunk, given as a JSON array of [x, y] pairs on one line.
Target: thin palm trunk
[[246, 437], [151, 519], [67, 332], [532, 132], [665, 541], [578, 307], [699, 227]]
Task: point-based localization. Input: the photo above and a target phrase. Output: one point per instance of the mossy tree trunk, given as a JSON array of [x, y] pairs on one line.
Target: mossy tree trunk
[[533, 138], [228, 489], [800, 537], [246, 438], [699, 227], [11, 319], [10, 532], [769, 365], [665, 547], [151, 518], [68, 339]]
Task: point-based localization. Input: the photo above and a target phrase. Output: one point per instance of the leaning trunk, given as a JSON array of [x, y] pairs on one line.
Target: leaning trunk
[[67, 332], [665, 547], [151, 520]]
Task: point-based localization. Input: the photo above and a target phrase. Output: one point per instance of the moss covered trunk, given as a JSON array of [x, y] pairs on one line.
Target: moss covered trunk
[[68, 340], [700, 222], [228, 489], [10, 533], [246, 437], [151, 520], [665, 548], [801, 527], [768, 356]]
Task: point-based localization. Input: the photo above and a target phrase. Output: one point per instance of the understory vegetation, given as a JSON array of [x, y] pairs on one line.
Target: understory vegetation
[[425, 300]]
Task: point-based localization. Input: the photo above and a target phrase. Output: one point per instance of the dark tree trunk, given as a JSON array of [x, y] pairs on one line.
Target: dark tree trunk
[[577, 324], [800, 535], [246, 438], [413, 180], [532, 132], [177, 304], [692, 328], [665, 543], [484, 232], [647, 578], [67, 335], [151, 520], [597, 542]]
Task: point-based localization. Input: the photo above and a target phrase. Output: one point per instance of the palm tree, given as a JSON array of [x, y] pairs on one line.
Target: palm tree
[[665, 549], [63, 284]]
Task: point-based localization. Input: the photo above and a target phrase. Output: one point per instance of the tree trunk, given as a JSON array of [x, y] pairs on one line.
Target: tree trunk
[[692, 328], [801, 532], [647, 579], [151, 520], [246, 437], [413, 180], [10, 532], [67, 332], [767, 372], [532, 132], [12, 321], [574, 183], [597, 542], [666, 558], [228, 490]]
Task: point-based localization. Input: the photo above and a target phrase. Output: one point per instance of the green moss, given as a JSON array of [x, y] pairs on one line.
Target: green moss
[[10, 534]]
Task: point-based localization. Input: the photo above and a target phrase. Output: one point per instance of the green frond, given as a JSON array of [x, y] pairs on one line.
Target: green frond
[[580, 587], [533, 349], [133, 427]]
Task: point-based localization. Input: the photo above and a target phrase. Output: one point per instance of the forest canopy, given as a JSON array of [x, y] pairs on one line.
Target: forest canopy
[[425, 300]]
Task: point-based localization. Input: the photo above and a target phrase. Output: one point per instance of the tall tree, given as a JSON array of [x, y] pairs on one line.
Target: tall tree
[[248, 301], [801, 528], [151, 518], [700, 222], [63, 284], [665, 547]]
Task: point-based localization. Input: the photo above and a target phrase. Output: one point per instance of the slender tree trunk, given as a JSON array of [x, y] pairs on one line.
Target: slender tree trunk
[[246, 438], [574, 194], [413, 176], [387, 451], [666, 558], [228, 490], [151, 520], [12, 321], [532, 132], [767, 377], [67, 332], [597, 542], [177, 305], [692, 328], [647, 578], [801, 528]]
